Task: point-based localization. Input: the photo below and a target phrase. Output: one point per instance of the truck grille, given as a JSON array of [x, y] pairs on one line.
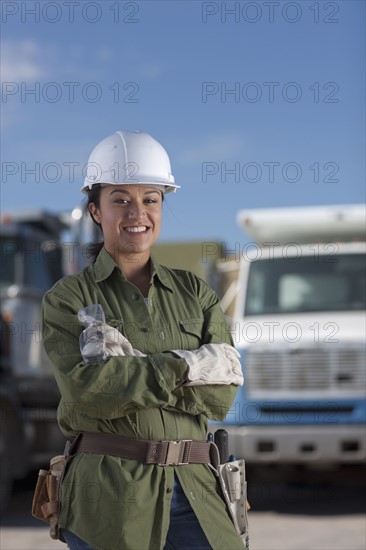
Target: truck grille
[[302, 369]]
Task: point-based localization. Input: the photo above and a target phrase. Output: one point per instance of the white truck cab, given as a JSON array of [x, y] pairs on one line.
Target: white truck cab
[[299, 323]]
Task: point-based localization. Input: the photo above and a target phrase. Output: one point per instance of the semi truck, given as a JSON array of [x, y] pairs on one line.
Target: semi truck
[[32, 259], [298, 320]]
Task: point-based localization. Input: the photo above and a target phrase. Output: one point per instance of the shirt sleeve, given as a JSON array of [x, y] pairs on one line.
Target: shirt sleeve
[[116, 388], [213, 401]]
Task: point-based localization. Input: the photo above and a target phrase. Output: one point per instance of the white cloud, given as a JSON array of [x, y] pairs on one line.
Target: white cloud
[[20, 61], [30, 61], [33, 60]]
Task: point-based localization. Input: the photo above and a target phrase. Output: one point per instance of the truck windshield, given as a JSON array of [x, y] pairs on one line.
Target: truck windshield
[[288, 285], [8, 247]]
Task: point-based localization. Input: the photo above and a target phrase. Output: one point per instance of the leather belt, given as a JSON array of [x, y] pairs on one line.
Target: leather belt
[[163, 453]]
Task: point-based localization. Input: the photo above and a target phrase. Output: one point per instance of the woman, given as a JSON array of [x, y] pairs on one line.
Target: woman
[[126, 487]]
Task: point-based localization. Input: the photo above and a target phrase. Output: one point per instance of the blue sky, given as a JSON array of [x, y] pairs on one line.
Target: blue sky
[[258, 103]]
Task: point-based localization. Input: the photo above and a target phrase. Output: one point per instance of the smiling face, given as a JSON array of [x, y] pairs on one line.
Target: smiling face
[[130, 217]]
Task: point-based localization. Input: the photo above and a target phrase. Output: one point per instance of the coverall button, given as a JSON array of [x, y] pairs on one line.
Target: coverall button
[[135, 296], [169, 490], [144, 329]]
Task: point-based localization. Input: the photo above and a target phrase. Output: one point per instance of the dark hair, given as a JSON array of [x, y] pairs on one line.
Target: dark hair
[[94, 248]]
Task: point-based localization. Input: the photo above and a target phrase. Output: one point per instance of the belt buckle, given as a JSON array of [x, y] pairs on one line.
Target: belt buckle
[[175, 452]]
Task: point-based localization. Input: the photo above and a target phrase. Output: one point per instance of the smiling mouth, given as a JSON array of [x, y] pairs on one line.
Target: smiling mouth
[[138, 229]]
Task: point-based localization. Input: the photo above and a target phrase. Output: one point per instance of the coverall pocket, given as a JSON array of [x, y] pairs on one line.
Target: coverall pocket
[[191, 333]]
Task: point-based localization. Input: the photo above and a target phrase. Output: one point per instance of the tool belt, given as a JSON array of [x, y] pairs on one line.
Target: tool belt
[[45, 504], [234, 489], [46, 498], [162, 453], [231, 475]]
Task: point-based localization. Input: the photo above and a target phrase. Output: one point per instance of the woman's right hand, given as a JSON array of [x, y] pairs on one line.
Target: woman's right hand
[[116, 344]]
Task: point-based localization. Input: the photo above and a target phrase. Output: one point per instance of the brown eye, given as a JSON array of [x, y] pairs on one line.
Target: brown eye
[[120, 201]]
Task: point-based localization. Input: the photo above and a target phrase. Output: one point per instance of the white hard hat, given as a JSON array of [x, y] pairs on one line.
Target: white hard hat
[[133, 158]]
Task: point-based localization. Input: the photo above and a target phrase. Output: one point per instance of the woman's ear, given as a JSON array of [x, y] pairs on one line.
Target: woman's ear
[[94, 212]]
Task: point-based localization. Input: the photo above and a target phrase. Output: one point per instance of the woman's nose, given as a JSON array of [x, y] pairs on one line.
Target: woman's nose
[[136, 210]]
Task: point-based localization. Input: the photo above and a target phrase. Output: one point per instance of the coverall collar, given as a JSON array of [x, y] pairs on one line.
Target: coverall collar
[[105, 265]]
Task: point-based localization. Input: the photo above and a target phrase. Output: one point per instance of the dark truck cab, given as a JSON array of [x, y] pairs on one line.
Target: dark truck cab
[[31, 262]]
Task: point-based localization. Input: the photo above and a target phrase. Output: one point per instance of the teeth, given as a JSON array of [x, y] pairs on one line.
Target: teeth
[[138, 229]]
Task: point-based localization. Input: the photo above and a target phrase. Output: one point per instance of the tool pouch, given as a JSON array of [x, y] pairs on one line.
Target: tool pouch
[[234, 487], [45, 505]]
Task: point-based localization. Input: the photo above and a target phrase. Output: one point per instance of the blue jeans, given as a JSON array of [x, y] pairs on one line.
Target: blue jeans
[[73, 542], [185, 533]]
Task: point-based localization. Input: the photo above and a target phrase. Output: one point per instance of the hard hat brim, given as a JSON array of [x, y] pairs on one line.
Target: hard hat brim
[[164, 187]]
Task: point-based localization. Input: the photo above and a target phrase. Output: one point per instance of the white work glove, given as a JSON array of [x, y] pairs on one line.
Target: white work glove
[[91, 340], [99, 340], [92, 344], [212, 364], [117, 344]]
